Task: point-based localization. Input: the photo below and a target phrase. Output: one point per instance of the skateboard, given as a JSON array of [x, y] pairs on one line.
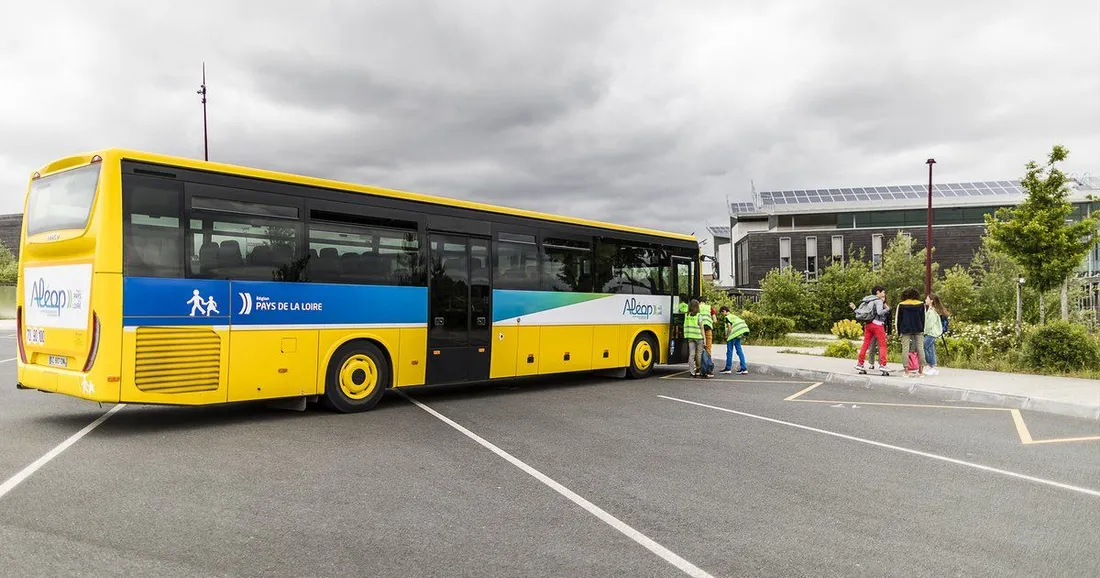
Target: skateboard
[[883, 372]]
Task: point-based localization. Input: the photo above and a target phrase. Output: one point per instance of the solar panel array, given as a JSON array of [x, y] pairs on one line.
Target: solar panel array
[[1090, 182], [721, 232], [742, 208], [894, 192]]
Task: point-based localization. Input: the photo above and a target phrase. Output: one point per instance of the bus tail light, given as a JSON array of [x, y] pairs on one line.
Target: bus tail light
[[95, 343], [19, 334]]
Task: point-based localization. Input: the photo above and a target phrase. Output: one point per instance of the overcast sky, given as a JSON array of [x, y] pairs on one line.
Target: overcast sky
[[637, 112]]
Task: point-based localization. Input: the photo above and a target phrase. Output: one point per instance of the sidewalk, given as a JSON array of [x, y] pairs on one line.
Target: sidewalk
[[1058, 395]]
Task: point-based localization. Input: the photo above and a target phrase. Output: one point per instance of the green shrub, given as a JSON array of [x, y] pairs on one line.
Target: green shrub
[[786, 294], [767, 326], [1062, 346], [987, 340], [9, 266], [841, 348], [847, 329]]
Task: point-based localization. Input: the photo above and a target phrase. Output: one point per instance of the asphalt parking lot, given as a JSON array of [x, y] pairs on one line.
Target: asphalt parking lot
[[566, 476]]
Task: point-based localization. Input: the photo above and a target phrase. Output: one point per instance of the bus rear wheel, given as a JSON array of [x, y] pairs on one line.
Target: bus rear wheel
[[357, 377], [643, 356]]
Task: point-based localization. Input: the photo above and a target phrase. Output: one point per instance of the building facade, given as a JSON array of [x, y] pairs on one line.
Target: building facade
[[808, 229], [721, 268]]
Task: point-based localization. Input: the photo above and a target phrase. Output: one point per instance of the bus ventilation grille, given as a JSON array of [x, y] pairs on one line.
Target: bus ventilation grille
[[178, 359]]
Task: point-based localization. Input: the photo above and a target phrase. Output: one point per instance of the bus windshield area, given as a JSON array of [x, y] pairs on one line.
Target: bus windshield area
[[62, 201]]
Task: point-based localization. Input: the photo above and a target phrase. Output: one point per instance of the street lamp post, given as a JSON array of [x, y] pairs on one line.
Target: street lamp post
[[1019, 306], [202, 91], [928, 241]]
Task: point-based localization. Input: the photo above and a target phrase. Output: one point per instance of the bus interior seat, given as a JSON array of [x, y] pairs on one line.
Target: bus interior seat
[[261, 255], [208, 257], [281, 255], [229, 254]]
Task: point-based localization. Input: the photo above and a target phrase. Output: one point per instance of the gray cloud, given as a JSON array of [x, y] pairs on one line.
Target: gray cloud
[[645, 113]]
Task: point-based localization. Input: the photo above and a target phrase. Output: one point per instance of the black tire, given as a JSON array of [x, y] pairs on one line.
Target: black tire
[[643, 356], [357, 368]]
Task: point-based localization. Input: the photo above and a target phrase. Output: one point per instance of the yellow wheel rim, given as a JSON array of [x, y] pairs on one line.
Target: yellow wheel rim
[[358, 376], [643, 355]]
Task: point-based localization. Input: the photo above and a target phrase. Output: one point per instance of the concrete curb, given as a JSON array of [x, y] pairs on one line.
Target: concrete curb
[[897, 382]]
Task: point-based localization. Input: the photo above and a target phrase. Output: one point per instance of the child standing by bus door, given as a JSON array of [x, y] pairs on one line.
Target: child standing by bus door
[[693, 333], [736, 328]]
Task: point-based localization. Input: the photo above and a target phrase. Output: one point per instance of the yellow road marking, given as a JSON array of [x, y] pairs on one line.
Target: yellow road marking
[[1021, 427], [1017, 416], [1060, 440], [804, 391]]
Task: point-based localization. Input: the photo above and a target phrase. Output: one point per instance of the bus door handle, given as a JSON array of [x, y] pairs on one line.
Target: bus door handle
[[481, 321], [438, 322]]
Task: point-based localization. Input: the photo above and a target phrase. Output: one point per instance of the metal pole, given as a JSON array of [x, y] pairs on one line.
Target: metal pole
[[202, 91], [928, 241], [1019, 308]]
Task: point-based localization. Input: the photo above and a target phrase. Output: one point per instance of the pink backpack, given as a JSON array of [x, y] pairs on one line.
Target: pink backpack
[[914, 362]]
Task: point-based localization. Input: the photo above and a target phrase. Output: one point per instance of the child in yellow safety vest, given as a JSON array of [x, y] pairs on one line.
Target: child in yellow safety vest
[[706, 316], [693, 333], [736, 328]]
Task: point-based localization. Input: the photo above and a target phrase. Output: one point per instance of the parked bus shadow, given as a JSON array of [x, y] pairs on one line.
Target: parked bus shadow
[[517, 386], [145, 419]]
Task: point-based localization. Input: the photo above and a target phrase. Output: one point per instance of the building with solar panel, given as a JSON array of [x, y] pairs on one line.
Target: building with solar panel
[[808, 229]]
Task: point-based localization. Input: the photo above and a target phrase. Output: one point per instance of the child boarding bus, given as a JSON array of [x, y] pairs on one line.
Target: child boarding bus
[[156, 280]]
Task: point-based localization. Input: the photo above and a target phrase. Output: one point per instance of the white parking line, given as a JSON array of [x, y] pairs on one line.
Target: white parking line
[[7, 360], [26, 472], [1060, 485], [669, 556]]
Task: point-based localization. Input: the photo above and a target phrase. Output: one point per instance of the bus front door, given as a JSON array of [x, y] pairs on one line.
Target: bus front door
[[683, 272], [459, 310]]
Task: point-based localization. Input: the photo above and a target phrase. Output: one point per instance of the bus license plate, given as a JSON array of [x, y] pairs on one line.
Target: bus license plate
[[58, 361]]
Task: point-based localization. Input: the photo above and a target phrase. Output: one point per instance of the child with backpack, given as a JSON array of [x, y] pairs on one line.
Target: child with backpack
[[736, 328], [873, 311], [910, 326]]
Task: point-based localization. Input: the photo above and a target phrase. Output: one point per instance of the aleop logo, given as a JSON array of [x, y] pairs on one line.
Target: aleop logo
[[52, 301], [640, 310]]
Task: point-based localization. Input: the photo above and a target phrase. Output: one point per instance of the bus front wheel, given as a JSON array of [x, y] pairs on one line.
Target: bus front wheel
[[643, 356], [357, 376]]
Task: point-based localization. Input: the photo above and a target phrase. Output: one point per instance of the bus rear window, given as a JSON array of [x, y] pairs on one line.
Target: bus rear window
[[62, 201]]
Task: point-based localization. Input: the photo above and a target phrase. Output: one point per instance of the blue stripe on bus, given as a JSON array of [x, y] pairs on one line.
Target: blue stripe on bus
[[150, 301]]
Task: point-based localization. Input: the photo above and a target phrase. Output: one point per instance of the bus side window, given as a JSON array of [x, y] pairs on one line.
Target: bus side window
[[152, 234]]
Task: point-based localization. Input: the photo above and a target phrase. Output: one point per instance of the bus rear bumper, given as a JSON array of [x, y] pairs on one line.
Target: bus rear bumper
[[71, 383]]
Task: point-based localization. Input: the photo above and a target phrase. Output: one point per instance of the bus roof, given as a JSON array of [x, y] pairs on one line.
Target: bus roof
[[120, 153]]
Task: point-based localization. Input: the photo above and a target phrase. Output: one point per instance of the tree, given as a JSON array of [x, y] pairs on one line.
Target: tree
[[785, 294], [995, 274], [958, 292], [1036, 233], [902, 268], [840, 284]]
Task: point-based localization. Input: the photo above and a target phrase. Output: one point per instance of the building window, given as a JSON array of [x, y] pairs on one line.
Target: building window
[[838, 249], [811, 257], [876, 251], [784, 253]]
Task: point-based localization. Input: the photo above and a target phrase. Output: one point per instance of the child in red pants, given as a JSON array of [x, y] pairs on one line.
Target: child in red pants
[[874, 310]]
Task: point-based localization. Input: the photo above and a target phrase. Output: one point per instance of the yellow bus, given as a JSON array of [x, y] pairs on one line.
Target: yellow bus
[[152, 279]]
